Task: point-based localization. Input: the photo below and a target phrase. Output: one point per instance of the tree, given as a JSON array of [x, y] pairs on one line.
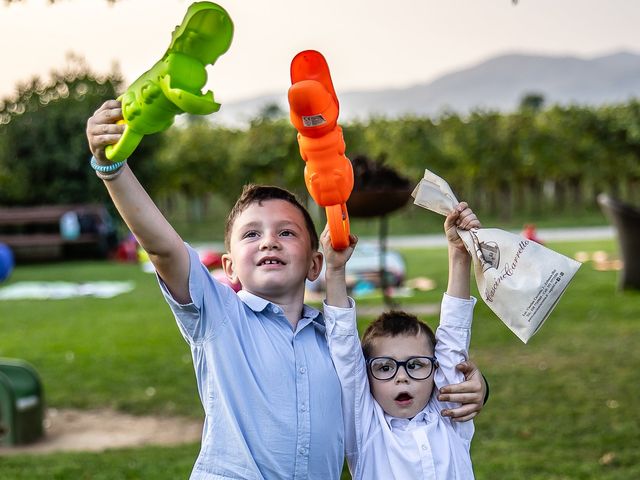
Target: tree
[[194, 161], [532, 101], [268, 153], [43, 148]]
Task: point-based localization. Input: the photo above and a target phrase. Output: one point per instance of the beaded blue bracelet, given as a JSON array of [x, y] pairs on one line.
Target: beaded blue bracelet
[[106, 168]]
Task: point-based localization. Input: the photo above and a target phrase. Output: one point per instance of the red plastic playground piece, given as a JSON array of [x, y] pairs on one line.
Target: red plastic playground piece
[[328, 174]]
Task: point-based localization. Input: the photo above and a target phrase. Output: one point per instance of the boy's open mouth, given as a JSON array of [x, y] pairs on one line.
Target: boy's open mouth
[[270, 261], [403, 397]]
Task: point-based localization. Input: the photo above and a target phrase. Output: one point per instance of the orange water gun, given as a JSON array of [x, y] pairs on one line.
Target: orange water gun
[[328, 174]]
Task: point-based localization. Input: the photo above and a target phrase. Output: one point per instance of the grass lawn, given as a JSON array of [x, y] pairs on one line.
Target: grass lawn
[[561, 407]]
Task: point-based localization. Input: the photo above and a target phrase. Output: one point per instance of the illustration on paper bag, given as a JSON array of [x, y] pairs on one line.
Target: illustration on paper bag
[[488, 253]]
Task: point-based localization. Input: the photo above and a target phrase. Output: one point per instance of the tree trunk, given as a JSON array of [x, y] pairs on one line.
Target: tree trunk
[[575, 192], [505, 202], [194, 210], [561, 196], [535, 197], [633, 190], [520, 198]]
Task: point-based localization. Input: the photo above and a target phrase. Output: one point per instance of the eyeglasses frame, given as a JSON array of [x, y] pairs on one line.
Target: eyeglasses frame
[[434, 365]]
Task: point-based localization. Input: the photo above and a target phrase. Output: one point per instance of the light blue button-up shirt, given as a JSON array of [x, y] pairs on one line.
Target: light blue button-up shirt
[[271, 394]]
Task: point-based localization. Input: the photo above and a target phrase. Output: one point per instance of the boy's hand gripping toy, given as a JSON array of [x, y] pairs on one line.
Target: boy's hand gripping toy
[[173, 85], [314, 112]]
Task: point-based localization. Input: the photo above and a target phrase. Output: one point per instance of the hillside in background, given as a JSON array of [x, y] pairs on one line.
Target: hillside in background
[[498, 83]]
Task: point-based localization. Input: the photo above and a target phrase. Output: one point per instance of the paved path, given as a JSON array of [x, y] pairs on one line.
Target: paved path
[[547, 235]]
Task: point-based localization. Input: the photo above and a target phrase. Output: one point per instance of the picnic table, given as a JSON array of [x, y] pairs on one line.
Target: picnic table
[[50, 232]]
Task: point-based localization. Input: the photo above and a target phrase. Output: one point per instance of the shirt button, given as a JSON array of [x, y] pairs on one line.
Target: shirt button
[[424, 447], [303, 407], [302, 450], [303, 370]]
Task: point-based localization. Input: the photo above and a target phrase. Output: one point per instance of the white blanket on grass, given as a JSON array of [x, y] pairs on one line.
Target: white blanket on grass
[[62, 290]]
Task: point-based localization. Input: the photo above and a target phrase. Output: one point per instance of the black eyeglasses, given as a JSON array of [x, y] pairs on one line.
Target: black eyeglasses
[[386, 368]]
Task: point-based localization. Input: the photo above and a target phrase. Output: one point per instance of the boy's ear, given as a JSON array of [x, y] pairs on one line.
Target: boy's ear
[[227, 266], [316, 266]]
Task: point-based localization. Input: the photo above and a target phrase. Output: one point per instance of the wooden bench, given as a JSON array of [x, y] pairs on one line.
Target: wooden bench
[[35, 233]]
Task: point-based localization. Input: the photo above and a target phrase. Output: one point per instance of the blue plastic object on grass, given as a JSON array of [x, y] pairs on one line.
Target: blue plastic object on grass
[[6, 262]]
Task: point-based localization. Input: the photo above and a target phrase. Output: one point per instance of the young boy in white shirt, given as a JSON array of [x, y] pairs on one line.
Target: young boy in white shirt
[[394, 427]]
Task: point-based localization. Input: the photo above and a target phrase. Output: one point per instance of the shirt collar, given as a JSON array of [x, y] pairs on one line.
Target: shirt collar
[[254, 302], [259, 304], [422, 416]]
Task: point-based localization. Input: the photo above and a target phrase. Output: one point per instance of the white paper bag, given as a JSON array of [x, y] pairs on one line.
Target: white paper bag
[[520, 280]]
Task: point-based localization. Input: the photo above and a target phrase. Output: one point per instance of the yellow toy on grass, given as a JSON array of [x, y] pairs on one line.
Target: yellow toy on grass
[[173, 85]]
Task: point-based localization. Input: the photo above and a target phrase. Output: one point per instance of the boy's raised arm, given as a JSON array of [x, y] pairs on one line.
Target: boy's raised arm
[[166, 249], [472, 392], [335, 274], [459, 284]]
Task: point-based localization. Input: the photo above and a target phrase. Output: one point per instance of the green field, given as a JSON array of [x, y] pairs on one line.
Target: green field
[[561, 407]]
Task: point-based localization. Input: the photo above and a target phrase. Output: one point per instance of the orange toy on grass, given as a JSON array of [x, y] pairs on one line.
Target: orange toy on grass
[[328, 174]]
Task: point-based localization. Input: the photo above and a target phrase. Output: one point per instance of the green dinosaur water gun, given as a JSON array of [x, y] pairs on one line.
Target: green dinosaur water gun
[[173, 85]]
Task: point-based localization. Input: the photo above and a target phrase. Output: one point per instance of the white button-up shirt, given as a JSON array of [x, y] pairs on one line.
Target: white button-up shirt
[[382, 447]]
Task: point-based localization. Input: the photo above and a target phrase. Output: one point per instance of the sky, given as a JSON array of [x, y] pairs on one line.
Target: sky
[[369, 44]]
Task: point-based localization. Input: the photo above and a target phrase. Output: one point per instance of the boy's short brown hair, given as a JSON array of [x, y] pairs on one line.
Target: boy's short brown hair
[[392, 324], [257, 194]]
